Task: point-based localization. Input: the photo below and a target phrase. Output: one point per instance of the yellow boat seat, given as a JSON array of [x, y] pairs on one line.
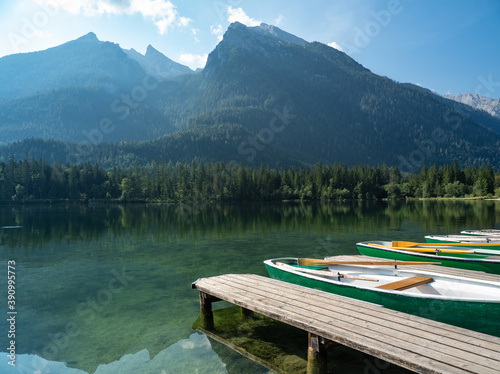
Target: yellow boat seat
[[406, 283]]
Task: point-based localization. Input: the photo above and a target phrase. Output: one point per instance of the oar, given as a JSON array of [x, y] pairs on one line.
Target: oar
[[440, 248], [462, 251], [314, 262], [412, 244], [424, 249], [326, 273]]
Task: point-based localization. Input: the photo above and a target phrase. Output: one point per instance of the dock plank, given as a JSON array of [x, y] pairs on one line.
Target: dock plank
[[421, 345]]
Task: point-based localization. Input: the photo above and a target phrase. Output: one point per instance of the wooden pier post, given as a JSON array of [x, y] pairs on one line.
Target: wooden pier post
[[316, 355], [247, 313], [207, 316]]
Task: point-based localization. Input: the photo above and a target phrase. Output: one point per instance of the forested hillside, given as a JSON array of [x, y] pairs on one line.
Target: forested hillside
[[203, 183]]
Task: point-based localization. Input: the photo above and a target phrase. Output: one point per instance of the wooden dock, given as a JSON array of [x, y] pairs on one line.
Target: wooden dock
[[412, 342]]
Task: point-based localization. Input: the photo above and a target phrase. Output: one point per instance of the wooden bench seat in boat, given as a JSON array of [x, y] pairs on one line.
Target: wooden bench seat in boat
[[406, 283]]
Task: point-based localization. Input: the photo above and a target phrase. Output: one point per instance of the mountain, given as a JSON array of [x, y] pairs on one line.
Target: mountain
[[264, 96], [65, 92], [335, 109], [84, 62], [157, 64], [489, 105]]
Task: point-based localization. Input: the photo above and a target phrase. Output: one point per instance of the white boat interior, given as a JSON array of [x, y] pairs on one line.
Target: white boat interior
[[465, 238], [488, 232], [382, 278]]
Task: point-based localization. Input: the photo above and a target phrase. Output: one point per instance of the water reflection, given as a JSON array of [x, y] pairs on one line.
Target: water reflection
[[192, 355], [38, 226], [108, 287]]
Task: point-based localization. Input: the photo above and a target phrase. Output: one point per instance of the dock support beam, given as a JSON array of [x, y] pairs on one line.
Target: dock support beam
[[207, 316], [316, 355]]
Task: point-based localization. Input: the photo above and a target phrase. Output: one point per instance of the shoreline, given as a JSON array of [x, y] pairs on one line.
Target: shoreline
[[92, 202]]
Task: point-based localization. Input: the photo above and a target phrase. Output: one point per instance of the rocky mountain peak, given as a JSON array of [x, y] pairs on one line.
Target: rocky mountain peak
[[263, 40], [255, 37], [152, 52], [489, 105], [91, 36], [157, 64]]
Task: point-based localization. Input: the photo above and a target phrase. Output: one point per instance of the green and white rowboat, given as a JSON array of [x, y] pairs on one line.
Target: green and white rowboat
[[460, 301], [486, 260], [449, 239], [488, 232]]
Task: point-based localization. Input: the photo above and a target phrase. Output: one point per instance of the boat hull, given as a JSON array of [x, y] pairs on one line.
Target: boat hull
[[471, 315], [466, 261]]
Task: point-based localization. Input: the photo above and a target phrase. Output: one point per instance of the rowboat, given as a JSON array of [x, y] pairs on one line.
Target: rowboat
[[465, 239], [460, 301], [472, 259], [489, 232]]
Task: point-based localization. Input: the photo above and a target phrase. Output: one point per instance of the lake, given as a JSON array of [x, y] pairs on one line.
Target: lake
[[107, 289]]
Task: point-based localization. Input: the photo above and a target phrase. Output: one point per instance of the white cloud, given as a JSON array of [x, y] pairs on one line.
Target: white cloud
[[73, 7], [336, 46], [163, 24], [195, 33], [161, 12], [238, 15], [278, 20], [217, 31], [193, 61], [184, 21]]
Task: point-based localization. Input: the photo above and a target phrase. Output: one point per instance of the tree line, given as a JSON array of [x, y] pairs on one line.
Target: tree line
[[201, 182]]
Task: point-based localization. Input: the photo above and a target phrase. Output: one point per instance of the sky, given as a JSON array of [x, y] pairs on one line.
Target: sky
[[443, 45]]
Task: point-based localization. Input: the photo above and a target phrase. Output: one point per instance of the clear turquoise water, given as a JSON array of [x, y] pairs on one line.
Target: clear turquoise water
[[106, 289]]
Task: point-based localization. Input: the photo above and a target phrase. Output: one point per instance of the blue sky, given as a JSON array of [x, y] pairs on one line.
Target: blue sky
[[446, 46]]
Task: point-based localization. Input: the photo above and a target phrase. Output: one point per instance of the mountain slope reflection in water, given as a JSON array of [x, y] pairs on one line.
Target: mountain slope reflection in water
[[192, 355]]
